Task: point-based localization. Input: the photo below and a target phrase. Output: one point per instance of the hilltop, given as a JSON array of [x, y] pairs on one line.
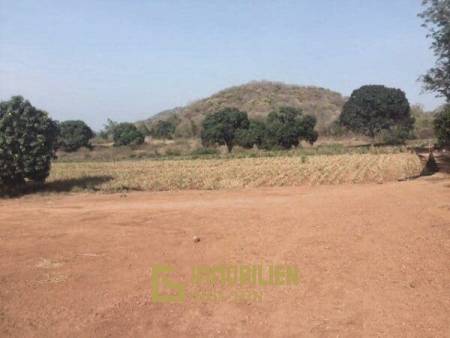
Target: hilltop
[[257, 98]]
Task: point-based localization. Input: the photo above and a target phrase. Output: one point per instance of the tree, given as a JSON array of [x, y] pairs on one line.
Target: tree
[[287, 126], [108, 128], [371, 109], [74, 135], [254, 135], [221, 127], [442, 127], [163, 129], [436, 17], [126, 134], [28, 140]]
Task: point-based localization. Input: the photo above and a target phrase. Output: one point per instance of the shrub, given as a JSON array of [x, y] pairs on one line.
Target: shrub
[[221, 127], [127, 134], [374, 108], [28, 140], [442, 127], [74, 135], [395, 135]]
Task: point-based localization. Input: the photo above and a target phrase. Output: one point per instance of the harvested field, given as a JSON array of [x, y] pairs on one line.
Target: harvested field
[[235, 173], [373, 261]]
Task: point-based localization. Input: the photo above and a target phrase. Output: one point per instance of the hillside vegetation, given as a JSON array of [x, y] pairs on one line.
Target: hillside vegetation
[[258, 99]]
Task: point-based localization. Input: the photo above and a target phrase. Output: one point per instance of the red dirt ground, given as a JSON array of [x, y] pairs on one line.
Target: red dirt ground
[[374, 260]]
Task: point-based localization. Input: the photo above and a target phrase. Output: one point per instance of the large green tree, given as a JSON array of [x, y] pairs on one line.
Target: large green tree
[[222, 127], [374, 108], [436, 16], [287, 126], [28, 139], [74, 135]]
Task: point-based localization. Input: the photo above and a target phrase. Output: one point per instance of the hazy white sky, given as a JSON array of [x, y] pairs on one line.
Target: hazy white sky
[[128, 60]]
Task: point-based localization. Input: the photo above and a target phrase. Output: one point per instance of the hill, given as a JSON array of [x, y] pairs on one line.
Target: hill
[[257, 98]]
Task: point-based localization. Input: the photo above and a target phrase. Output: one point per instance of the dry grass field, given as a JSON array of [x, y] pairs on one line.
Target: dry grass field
[[212, 174]]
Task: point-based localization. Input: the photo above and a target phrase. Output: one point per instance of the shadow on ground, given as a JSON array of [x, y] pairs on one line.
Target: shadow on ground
[[89, 183]]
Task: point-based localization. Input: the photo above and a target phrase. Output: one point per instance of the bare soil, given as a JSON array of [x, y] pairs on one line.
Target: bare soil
[[374, 260]]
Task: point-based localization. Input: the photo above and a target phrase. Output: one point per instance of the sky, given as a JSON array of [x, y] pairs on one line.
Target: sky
[[128, 60]]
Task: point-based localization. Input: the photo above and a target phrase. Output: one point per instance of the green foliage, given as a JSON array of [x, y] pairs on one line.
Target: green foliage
[[163, 129], [374, 108], [395, 135], [28, 139], [221, 127], [254, 135], [436, 17], [127, 134], [423, 126], [107, 132], [74, 135], [442, 127], [287, 126]]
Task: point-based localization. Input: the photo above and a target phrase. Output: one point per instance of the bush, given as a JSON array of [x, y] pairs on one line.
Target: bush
[[395, 135], [374, 108], [442, 127], [74, 135], [28, 140], [127, 134]]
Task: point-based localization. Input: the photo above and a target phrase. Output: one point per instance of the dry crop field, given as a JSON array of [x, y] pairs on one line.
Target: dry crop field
[[211, 174]]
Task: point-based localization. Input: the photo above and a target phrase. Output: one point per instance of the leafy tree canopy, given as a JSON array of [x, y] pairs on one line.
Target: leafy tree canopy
[[436, 16], [287, 126], [254, 135], [28, 139], [74, 135], [127, 134], [373, 108], [442, 127], [222, 127]]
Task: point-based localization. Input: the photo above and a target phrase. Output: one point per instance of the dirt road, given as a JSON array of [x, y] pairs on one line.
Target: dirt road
[[374, 260]]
